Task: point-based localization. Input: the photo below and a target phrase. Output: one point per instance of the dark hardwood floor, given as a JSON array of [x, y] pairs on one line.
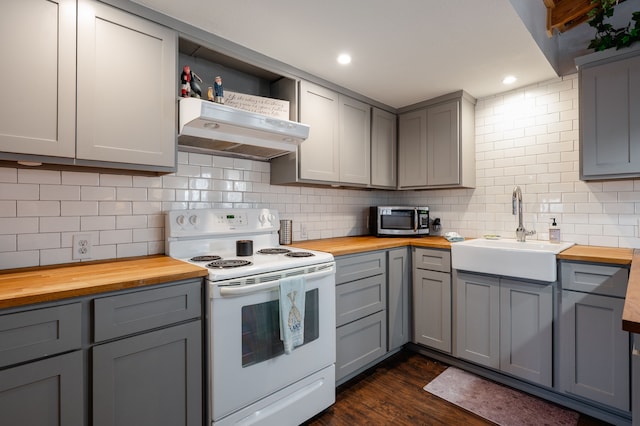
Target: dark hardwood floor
[[391, 394]]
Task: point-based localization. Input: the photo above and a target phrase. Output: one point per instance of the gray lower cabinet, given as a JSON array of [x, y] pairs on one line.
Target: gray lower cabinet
[[41, 367], [153, 378], [398, 297], [152, 372], [361, 312], [432, 298], [609, 104], [135, 356], [505, 324], [48, 392], [594, 350]]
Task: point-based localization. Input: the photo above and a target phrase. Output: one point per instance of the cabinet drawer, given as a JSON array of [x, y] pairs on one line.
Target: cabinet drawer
[[40, 332], [351, 268], [360, 298], [434, 260], [599, 279], [360, 343], [124, 314]]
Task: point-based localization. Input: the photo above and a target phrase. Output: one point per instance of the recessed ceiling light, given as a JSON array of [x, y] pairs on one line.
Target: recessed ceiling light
[[344, 58], [509, 79]]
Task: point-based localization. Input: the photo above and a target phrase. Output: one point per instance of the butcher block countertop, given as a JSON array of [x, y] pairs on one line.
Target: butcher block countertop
[[44, 284]]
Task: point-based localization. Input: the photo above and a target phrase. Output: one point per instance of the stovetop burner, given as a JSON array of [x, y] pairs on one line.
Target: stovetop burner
[[207, 258], [228, 263], [300, 254], [273, 251]]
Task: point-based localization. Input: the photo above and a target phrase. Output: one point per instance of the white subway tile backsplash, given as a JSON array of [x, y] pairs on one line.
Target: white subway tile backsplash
[[18, 225], [8, 208], [59, 224], [78, 208], [38, 241], [59, 192], [116, 180], [38, 176], [16, 191], [80, 178], [98, 193]]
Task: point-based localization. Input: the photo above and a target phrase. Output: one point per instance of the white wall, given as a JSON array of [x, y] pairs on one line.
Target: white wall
[[526, 137]]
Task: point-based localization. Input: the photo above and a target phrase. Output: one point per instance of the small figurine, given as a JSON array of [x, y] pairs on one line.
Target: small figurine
[[219, 91], [188, 78]]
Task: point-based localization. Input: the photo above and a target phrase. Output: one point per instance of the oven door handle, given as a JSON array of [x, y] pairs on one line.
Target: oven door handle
[[269, 285]]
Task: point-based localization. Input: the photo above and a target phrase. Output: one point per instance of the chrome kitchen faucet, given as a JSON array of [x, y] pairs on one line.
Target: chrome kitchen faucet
[[516, 200]]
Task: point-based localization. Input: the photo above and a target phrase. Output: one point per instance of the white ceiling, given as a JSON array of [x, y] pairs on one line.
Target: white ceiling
[[403, 51]]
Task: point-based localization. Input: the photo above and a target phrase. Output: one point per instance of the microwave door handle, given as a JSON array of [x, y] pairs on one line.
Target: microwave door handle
[[267, 286], [415, 220]]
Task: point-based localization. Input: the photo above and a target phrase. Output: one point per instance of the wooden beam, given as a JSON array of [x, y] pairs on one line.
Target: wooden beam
[[563, 15]]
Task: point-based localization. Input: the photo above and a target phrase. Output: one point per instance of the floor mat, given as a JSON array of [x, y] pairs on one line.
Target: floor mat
[[497, 403]]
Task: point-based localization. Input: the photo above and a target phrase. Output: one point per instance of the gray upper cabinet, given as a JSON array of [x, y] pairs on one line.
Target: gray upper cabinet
[[609, 107], [123, 114], [436, 143], [384, 144], [320, 153], [40, 120], [123, 119], [338, 150]]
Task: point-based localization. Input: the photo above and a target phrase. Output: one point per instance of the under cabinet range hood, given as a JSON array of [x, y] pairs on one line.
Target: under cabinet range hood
[[214, 128]]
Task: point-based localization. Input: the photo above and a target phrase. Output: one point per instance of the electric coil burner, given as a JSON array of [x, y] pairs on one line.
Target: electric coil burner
[[252, 378], [228, 263], [274, 251], [205, 258], [300, 254]]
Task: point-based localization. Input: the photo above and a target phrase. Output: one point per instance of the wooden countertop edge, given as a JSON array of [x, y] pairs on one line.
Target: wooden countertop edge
[[68, 281], [631, 312]]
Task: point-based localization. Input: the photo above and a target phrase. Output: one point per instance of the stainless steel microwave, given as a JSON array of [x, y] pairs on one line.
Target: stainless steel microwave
[[388, 221]]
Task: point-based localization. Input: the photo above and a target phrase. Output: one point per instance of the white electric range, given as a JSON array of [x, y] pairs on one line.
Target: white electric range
[[253, 380]]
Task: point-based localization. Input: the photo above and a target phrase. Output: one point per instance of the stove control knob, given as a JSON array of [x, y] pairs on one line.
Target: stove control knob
[[194, 220], [180, 220]]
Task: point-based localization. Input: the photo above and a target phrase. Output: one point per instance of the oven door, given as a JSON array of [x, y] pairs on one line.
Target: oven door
[[248, 359]]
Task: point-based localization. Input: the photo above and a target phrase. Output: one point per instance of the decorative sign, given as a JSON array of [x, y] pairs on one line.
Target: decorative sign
[[272, 107]]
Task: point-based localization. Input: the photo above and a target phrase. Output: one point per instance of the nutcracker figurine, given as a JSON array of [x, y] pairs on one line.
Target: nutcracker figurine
[[189, 84], [218, 90]]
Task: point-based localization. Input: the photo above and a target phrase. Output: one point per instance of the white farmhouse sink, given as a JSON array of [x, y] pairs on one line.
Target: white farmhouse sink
[[534, 260]]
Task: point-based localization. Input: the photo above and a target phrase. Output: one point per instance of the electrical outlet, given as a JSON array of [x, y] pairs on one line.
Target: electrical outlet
[[81, 246], [303, 231]]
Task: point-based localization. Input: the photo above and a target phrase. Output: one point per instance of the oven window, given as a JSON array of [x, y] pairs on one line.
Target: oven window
[[261, 329], [399, 219]]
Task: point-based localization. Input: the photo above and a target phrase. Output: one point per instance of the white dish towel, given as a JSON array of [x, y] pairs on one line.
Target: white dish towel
[[292, 297]]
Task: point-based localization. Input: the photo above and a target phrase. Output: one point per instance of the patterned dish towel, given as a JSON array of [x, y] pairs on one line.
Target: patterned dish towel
[[292, 297]]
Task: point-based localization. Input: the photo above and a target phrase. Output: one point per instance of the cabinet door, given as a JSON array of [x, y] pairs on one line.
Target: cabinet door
[[360, 343], [443, 144], [320, 153], [594, 352], [432, 309], [412, 149], [478, 319], [355, 141], [399, 293], [127, 88], [150, 379], [49, 392], [37, 76], [610, 130], [383, 149], [526, 346]]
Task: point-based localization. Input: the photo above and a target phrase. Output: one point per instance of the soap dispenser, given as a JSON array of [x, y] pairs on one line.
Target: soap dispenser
[[554, 232]]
